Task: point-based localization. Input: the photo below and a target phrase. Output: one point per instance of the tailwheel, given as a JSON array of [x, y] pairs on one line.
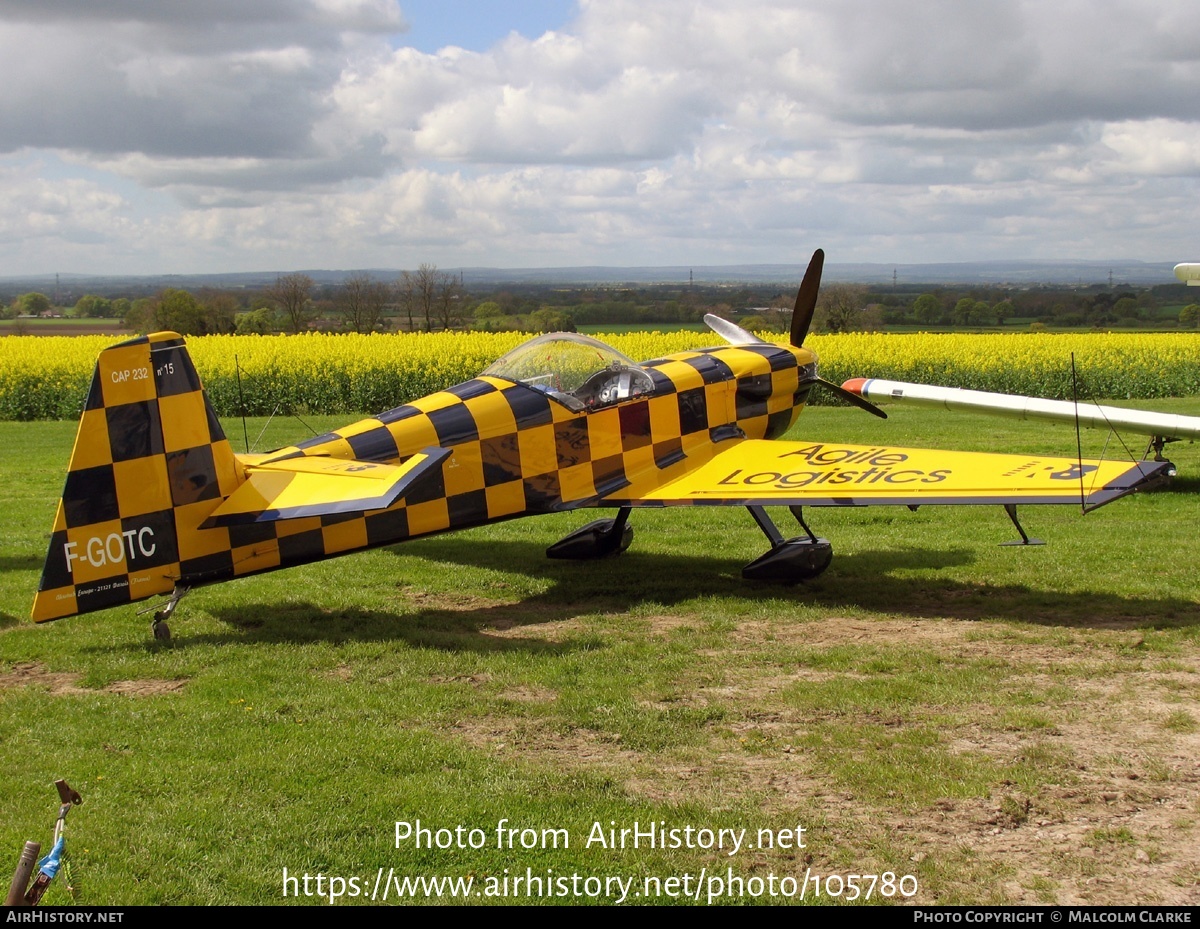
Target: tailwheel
[[158, 626], [789, 560]]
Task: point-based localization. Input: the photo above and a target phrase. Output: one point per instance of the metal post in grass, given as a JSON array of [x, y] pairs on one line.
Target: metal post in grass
[[20, 878]]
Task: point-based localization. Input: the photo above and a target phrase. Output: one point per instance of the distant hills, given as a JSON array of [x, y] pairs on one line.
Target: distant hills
[[1020, 273], [978, 272]]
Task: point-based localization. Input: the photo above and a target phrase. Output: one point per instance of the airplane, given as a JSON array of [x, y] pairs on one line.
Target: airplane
[[1160, 427], [157, 503]]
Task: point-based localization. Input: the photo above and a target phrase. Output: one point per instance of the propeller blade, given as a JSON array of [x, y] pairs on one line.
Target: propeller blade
[[852, 398], [806, 298], [731, 332]]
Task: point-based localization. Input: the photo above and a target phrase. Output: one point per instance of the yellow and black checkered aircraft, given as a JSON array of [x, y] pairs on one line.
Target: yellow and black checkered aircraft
[[157, 502]]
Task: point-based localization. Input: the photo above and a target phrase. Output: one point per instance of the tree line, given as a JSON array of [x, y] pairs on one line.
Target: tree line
[[425, 299], [428, 299]]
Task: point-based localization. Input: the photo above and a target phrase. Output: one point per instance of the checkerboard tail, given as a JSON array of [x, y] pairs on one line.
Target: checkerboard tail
[[150, 463]]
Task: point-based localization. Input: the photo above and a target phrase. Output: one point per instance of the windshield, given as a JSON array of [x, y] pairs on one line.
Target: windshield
[[575, 369]]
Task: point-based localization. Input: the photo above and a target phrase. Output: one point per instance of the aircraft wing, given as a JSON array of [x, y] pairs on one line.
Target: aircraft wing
[[290, 488], [769, 473], [1169, 426]]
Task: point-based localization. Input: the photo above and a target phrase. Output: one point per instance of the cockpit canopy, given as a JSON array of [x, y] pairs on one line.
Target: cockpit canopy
[[577, 370]]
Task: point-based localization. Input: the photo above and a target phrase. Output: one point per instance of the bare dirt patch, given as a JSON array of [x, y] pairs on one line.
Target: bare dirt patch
[[570, 749], [475, 680], [448, 600], [529, 694], [492, 616], [32, 674], [147, 688], [665, 625], [556, 630]]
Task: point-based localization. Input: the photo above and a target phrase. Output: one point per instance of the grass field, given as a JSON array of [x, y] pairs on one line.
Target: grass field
[[1004, 725]]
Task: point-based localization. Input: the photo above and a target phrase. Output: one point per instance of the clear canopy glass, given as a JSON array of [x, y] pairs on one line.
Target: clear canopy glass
[[574, 369]]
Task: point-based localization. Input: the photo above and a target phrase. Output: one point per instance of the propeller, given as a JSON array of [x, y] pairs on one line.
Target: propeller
[[851, 398], [806, 298], [802, 317]]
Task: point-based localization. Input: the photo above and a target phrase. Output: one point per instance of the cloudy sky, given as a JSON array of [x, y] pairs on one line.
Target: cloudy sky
[[220, 135]]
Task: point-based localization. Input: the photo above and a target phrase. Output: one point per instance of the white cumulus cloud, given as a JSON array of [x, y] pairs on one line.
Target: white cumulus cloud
[[306, 133]]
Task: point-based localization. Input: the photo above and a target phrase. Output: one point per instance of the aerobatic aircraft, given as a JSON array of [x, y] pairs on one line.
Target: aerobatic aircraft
[[156, 502]]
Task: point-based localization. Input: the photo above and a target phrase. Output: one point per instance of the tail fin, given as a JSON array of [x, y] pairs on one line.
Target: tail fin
[[150, 464]]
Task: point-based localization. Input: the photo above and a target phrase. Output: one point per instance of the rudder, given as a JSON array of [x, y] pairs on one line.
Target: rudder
[[150, 463]]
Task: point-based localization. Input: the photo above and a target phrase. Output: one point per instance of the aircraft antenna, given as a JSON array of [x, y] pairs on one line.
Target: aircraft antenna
[[241, 402]]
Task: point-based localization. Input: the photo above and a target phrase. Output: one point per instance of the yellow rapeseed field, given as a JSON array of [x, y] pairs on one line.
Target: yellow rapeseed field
[[47, 377]]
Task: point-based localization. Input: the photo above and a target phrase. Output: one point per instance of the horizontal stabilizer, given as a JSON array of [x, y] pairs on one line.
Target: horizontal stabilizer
[[297, 487], [765, 473]]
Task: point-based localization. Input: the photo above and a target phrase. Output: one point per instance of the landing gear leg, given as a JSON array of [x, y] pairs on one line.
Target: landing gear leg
[[789, 560], [598, 539], [1011, 510], [1156, 445]]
